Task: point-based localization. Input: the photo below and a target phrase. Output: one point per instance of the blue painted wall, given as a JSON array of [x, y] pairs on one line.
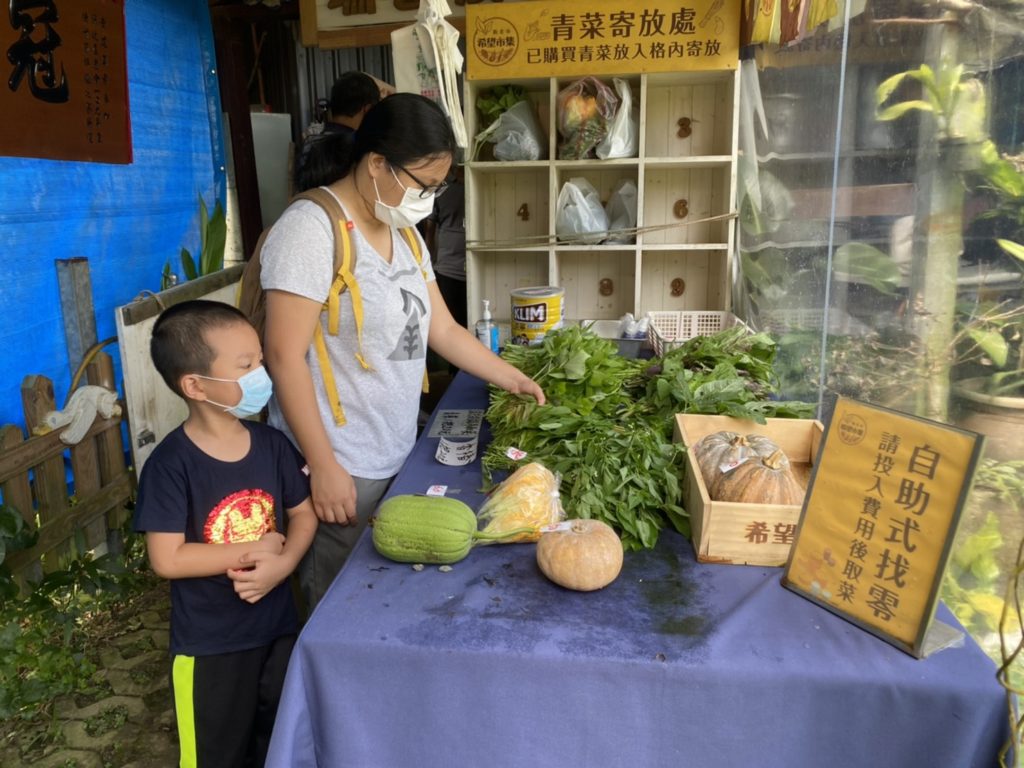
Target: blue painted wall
[[128, 220]]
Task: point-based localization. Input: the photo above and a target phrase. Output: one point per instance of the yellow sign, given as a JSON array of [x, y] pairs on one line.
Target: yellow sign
[[601, 37], [879, 519]]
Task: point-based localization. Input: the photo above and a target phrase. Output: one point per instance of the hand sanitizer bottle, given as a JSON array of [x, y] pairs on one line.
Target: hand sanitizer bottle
[[487, 329]]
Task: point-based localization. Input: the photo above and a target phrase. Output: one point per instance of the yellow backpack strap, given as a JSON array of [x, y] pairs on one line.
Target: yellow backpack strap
[[417, 253], [344, 265]]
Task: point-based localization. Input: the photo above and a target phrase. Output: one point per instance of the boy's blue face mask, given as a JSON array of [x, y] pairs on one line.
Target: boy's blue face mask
[[256, 390]]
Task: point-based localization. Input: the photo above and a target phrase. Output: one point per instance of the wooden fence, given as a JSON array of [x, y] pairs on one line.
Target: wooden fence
[[33, 478]]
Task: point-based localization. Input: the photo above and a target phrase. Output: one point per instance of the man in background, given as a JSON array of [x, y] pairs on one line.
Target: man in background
[[317, 161]]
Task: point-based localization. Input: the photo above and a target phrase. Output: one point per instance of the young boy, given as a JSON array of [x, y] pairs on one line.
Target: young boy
[[212, 501]]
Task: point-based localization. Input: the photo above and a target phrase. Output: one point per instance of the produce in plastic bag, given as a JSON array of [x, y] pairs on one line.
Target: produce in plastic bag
[[579, 214], [621, 210], [528, 498], [623, 137], [585, 109], [516, 134]]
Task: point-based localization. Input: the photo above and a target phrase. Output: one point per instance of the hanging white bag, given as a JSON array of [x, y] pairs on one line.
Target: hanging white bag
[[621, 210], [412, 75], [623, 138], [516, 134], [580, 216], [427, 61]]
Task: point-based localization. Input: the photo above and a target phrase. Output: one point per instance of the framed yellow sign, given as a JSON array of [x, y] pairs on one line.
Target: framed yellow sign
[[879, 518], [601, 37]]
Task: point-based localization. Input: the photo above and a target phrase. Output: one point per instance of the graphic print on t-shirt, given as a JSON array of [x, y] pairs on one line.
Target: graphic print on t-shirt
[[242, 516], [410, 345]]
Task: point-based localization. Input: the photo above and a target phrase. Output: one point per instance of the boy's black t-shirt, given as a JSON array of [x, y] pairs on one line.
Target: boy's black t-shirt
[[184, 490]]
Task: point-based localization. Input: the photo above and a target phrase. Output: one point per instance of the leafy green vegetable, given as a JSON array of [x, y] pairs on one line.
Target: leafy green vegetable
[[607, 426], [492, 102]]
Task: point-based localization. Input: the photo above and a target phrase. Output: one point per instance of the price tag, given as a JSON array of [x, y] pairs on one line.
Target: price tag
[[515, 454], [456, 423], [565, 525], [437, 490], [454, 452]]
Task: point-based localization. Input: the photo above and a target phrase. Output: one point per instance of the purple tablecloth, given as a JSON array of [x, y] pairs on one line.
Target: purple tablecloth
[[675, 664]]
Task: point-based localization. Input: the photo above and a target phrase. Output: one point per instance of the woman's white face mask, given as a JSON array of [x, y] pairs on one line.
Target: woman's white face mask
[[411, 210]]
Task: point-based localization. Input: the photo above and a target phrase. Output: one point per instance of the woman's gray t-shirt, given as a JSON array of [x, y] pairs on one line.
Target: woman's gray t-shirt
[[381, 405]]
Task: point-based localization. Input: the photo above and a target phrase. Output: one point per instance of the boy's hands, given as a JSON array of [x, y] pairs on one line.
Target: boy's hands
[[272, 542], [262, 572]]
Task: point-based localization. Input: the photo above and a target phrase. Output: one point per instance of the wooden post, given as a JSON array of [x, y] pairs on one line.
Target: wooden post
[[17, 494], [232, 75], [109, 449], [51, 490], [76, 307]]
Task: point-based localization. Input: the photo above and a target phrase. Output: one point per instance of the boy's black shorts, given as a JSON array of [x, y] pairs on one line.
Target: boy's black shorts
[[226, 703]]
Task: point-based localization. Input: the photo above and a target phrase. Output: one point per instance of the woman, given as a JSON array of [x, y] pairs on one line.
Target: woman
[[401, 159]]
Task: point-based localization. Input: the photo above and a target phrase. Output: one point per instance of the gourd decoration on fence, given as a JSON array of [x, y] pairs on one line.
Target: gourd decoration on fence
[[80, 413]]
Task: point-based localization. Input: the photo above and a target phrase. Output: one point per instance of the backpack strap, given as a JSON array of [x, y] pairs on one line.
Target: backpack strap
[[344, 279]]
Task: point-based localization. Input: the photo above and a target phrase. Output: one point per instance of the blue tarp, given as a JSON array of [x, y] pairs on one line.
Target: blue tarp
[[128, 220]]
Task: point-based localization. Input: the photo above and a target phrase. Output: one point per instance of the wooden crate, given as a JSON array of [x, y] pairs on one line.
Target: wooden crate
[[746, 534]]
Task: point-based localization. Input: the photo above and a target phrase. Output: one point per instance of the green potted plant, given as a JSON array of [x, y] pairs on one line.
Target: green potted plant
[[212, 239]]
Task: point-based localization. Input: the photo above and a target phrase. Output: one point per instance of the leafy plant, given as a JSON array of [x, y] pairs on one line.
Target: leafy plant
[[958, 104], [607, 427], [45, 649], [212, 239], [492, 102], [971, 587], [14, 536]]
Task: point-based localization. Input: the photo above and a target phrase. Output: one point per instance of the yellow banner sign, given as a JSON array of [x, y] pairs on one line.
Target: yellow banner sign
[[879, 519], [601, 37]]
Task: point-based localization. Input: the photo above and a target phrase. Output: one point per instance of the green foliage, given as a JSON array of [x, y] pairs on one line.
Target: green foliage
[[492, 102], [877, 366], [607, 426], [14, 536], [958, 104], [212, 239], [972, 587], [44, 646]]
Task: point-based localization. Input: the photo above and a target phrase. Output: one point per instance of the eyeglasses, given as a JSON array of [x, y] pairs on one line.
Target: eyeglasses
[[426, 190]]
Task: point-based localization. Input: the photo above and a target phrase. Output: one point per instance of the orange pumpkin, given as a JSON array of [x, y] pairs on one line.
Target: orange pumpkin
[[585, 556], [768, 480]]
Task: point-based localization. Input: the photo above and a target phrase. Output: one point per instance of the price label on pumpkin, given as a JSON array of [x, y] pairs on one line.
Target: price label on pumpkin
[[454, 452], [565, 525]]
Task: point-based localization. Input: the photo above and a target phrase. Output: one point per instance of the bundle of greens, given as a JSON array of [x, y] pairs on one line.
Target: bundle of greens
[[607, 426]]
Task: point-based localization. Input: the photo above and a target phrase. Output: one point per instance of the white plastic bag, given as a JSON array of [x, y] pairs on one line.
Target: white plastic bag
[[623, 139], [621, 211], [580, 216], [516, 134]]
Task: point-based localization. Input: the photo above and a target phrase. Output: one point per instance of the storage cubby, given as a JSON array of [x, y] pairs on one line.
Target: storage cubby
[[684, 171], [495, 274], [682, 280], [677, 202], [599, 284]]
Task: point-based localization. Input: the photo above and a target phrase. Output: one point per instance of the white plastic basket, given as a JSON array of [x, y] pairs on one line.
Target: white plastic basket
[[667, 330]]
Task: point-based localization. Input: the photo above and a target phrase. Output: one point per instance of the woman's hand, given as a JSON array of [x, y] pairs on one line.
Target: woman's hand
[[334, 494], [521, 384]]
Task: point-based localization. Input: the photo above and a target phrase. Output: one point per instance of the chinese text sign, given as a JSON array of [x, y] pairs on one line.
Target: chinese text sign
[[880, 517], [65, 90], [602, 37]]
